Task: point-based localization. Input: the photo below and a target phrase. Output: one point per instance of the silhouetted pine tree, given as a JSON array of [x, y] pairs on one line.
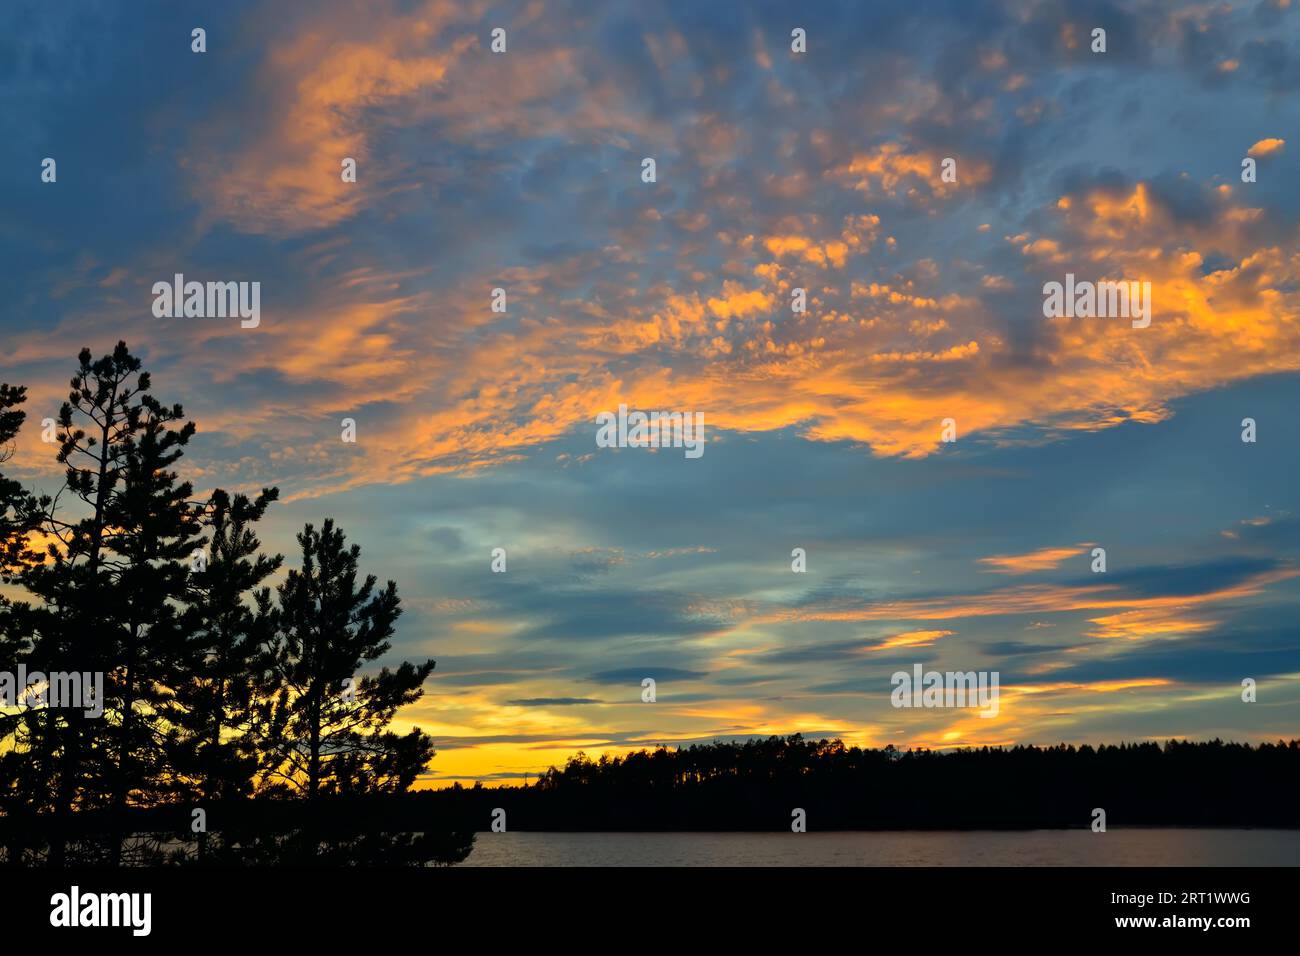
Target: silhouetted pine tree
[[332, 738], [113, 590], [22, 791], [221, 705], [332, 742], [19, 513], [211, 691]]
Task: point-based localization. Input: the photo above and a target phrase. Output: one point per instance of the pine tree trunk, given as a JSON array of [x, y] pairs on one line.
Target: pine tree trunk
[[71, 763]]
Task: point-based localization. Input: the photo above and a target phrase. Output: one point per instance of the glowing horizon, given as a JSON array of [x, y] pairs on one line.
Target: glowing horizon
[[775, 171]]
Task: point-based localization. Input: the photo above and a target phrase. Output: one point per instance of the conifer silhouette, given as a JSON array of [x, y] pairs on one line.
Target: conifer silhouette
[[217, 692]]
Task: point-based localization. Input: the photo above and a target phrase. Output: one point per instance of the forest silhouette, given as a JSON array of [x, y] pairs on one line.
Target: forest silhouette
[[217, 690], [755, 785], [237, 730]]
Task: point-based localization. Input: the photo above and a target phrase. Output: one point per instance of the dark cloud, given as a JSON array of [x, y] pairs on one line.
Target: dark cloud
[[1020, 648], [552, 701], [1225, 658], [661, 675]]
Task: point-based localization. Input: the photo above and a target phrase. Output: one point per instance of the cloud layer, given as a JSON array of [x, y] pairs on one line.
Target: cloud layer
[[775, 172]]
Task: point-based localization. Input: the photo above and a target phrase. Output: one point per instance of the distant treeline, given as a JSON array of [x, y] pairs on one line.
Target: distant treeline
[[757, 784], [751, 786]]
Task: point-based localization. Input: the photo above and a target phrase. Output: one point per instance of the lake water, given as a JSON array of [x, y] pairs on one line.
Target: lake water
[[1116, 847]]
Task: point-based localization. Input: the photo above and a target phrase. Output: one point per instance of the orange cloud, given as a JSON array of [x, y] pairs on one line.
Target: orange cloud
[[1041, 560], [1024, 599], [911, 639], [890, 170], [1149, 622], [319, 88], [1266, 147], [465, 388]]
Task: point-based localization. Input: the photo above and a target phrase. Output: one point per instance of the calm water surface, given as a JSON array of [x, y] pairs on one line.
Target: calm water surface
[[1116, 847]]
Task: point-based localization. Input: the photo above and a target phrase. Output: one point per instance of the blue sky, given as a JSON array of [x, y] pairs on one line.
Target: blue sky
[[775, 170]]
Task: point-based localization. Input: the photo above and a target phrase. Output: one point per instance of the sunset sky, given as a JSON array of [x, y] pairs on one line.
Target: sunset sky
[[775, 171]]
